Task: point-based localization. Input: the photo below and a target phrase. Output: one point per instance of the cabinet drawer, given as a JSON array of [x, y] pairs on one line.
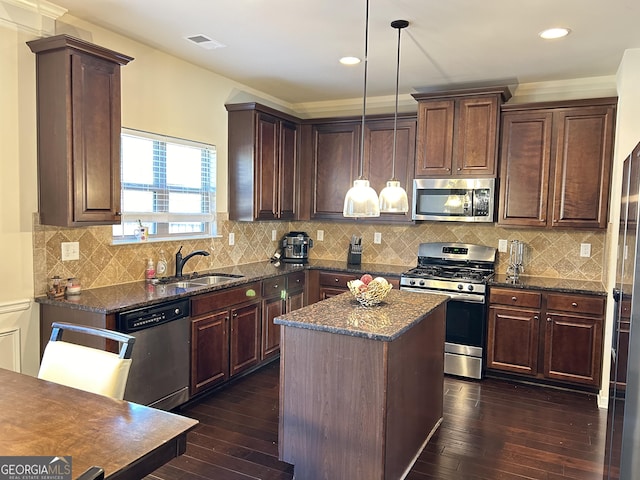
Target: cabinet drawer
[[331, 279], [273, 286], [210, 302], [518, 298], [576, 303], [296, 281]]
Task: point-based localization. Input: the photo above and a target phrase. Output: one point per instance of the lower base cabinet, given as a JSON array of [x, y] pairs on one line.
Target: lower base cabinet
[[546, 335]]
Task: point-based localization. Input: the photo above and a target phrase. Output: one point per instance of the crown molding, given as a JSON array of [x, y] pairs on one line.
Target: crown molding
[[33, 16]]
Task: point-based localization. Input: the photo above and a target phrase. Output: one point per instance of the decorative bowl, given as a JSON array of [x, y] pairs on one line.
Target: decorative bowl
[[372, 295]]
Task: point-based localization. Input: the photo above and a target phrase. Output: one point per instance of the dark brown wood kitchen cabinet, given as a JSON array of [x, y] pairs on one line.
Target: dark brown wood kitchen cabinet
[[225, 335], [457, 132], [550, 336], [78, 102], [281, 294], [335, 159], [263, 163], [556, 163]]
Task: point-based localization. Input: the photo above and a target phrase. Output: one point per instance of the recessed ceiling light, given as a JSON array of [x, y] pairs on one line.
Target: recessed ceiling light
[[349, 60], [552, 33]]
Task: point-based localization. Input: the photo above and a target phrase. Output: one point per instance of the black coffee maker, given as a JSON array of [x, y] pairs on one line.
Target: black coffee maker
[[295, 247]]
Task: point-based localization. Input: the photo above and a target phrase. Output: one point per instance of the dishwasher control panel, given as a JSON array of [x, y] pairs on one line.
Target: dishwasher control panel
[[154, 315]]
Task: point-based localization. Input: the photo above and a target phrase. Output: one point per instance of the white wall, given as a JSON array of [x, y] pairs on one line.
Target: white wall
[[627, 137]]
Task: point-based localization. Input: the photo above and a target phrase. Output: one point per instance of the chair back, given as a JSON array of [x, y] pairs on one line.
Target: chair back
[[86, 368]]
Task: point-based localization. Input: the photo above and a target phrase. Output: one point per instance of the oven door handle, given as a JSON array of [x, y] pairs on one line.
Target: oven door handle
[[460, 296]]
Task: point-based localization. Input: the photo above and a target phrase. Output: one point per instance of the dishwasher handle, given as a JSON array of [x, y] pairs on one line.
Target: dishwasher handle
[[152, 316]]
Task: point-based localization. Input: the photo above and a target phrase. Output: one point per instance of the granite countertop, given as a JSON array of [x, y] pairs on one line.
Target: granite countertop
[[127, 296], [342, 314], [556, 284]]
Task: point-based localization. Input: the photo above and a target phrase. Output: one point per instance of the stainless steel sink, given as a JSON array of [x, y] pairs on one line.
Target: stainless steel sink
[[204, 281], [213, 279]]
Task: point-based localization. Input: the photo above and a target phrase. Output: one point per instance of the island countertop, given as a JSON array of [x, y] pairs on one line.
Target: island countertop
[[343, 315]]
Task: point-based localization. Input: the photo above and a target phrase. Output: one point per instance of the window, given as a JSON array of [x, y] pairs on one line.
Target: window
[[168, 185]]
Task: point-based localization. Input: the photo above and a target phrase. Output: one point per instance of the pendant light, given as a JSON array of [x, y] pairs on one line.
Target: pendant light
[[393, 198], [361, 200]]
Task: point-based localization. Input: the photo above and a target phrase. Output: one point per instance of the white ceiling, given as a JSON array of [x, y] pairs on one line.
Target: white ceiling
[[290, 48]]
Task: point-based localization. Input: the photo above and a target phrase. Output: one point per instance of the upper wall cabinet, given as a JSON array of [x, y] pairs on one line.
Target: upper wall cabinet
[[555, 163], [457, 132], [263, 163], [335, 162], [78, 101]]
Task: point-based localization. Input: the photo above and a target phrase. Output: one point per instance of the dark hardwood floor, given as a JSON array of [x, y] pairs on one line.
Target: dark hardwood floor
[[492, 430]]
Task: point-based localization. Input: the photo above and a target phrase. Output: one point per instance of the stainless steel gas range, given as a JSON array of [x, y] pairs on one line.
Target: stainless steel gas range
[[461, 271]]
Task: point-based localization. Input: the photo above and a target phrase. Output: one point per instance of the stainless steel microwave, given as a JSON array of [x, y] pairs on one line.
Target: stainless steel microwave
[[454, 199]]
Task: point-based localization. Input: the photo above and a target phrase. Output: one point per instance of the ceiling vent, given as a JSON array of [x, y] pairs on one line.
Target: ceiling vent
[[205, 42]]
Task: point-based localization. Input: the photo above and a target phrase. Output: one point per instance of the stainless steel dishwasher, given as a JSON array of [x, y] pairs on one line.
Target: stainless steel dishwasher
[[159, 374]]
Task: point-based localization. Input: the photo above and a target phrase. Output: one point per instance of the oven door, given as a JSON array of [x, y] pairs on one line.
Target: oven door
[[465, 332]]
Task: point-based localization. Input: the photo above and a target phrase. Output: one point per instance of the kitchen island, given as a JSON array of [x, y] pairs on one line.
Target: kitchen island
[[361, 388]]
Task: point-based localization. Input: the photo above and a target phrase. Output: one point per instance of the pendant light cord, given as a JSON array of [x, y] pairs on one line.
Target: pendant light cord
[[364, 95], [399, 24]]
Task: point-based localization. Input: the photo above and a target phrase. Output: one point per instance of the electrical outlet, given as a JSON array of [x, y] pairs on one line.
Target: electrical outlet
[[377, 238], [585, 249], [232, 238], [320, 235], [502, 245], [274, 235], [70, 251]]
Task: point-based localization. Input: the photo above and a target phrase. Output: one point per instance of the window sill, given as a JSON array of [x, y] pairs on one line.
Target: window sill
[[127, 241]]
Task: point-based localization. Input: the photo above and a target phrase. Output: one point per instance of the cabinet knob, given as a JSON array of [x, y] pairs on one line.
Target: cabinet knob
[[548, 319], [275, 286], [336, 280], [574, 304], [235, 315], [448, 169], [459, 168], [515, 299], [536, 318]]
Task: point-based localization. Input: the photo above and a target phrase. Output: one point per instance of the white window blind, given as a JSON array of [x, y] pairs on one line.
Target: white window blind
[[168, 185]]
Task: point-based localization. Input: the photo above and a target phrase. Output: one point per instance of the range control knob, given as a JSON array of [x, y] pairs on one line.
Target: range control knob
[[422, 283], [412, 282], [470, 288], [460, 286]]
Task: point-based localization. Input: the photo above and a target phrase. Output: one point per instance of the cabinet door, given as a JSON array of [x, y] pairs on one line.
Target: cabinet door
[[288, 170], [209, 351], [335, 165], [584, 145], [267, 167], [378, 159], [434, 138], [295, 300], [573, 348], [245, 335], [524, 172], [475, 137], [512, 343], [271, 308]]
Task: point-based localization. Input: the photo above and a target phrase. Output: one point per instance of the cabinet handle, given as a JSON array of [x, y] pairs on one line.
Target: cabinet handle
[[515, 299], [235, 315], [448, 169], [574, 304], [548, 319], [459, 168], [536, 318], [336, 280], [275, 286]]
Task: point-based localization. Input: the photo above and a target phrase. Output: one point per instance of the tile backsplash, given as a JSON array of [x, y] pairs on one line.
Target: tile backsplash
[[550, 253]]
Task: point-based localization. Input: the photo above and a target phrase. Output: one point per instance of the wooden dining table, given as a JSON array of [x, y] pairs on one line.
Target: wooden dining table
[[127, 440]]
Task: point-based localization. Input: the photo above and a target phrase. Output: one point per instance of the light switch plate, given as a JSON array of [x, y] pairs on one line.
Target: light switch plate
[[377, 238], [70, 251], [232, 239], [320, 235], [585, 249], [502, 245]]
